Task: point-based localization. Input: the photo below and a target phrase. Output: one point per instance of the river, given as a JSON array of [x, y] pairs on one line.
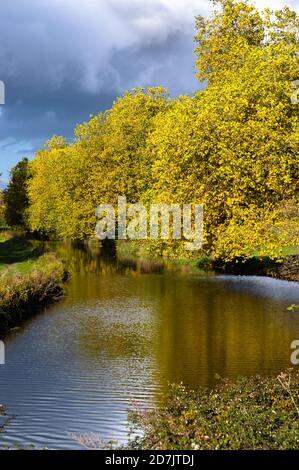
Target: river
[[126, 329]]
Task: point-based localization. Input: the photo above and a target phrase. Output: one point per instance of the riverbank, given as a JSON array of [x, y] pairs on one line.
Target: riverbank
[[256, 413], [286, 269], [29, 280]]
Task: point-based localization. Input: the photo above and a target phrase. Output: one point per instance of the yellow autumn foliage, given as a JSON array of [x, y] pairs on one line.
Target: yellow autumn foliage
[[232, 147]]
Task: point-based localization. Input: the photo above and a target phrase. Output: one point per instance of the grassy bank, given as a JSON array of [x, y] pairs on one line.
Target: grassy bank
[[29, 280], [251, 413]]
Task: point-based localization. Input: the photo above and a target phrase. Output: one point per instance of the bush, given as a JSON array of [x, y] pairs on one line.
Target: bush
[[251, 413]]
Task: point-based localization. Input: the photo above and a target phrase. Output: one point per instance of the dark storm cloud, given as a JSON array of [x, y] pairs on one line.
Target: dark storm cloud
[[62, 60]]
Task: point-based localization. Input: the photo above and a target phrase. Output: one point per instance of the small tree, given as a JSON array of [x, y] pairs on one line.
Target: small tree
[[15, 195], [2, 210]]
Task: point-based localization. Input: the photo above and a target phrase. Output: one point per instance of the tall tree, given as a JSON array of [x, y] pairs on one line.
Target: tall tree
[[234, 147]]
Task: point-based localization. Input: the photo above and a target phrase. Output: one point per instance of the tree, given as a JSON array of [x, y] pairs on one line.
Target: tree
[[236, 27], [126, 129], [105, 160], [15, 195], [234, 146], [2, 210]]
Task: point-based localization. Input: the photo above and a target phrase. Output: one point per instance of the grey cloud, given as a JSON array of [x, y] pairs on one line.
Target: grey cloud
[[62, 60]]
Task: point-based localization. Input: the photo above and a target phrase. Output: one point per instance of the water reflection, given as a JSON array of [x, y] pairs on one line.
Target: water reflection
[[92, 257], [124, 330]]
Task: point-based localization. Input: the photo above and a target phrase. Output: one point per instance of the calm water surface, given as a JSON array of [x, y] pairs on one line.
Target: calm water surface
[[122, 332]]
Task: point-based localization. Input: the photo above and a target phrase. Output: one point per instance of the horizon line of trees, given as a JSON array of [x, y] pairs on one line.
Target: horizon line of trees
[[233, 147]]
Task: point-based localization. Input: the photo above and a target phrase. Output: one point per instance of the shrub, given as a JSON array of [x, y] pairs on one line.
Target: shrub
[[251, 413]]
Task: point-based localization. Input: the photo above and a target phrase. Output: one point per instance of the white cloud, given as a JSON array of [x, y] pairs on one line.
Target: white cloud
[[276, 4]]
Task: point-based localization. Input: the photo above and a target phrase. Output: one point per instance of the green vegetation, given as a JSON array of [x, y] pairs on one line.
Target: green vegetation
[[15, 197], [4, 236], [293, 308], [15, 252], [251, 413], [3, 224], [28, 280]]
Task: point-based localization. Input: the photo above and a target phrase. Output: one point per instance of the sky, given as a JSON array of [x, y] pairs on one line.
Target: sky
[[63, 60]]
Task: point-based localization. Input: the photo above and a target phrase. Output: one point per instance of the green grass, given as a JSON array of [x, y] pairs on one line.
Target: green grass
[[17, 255], [5, 235], [285, 251], [22, 268], [291, 250], [29, 279]]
